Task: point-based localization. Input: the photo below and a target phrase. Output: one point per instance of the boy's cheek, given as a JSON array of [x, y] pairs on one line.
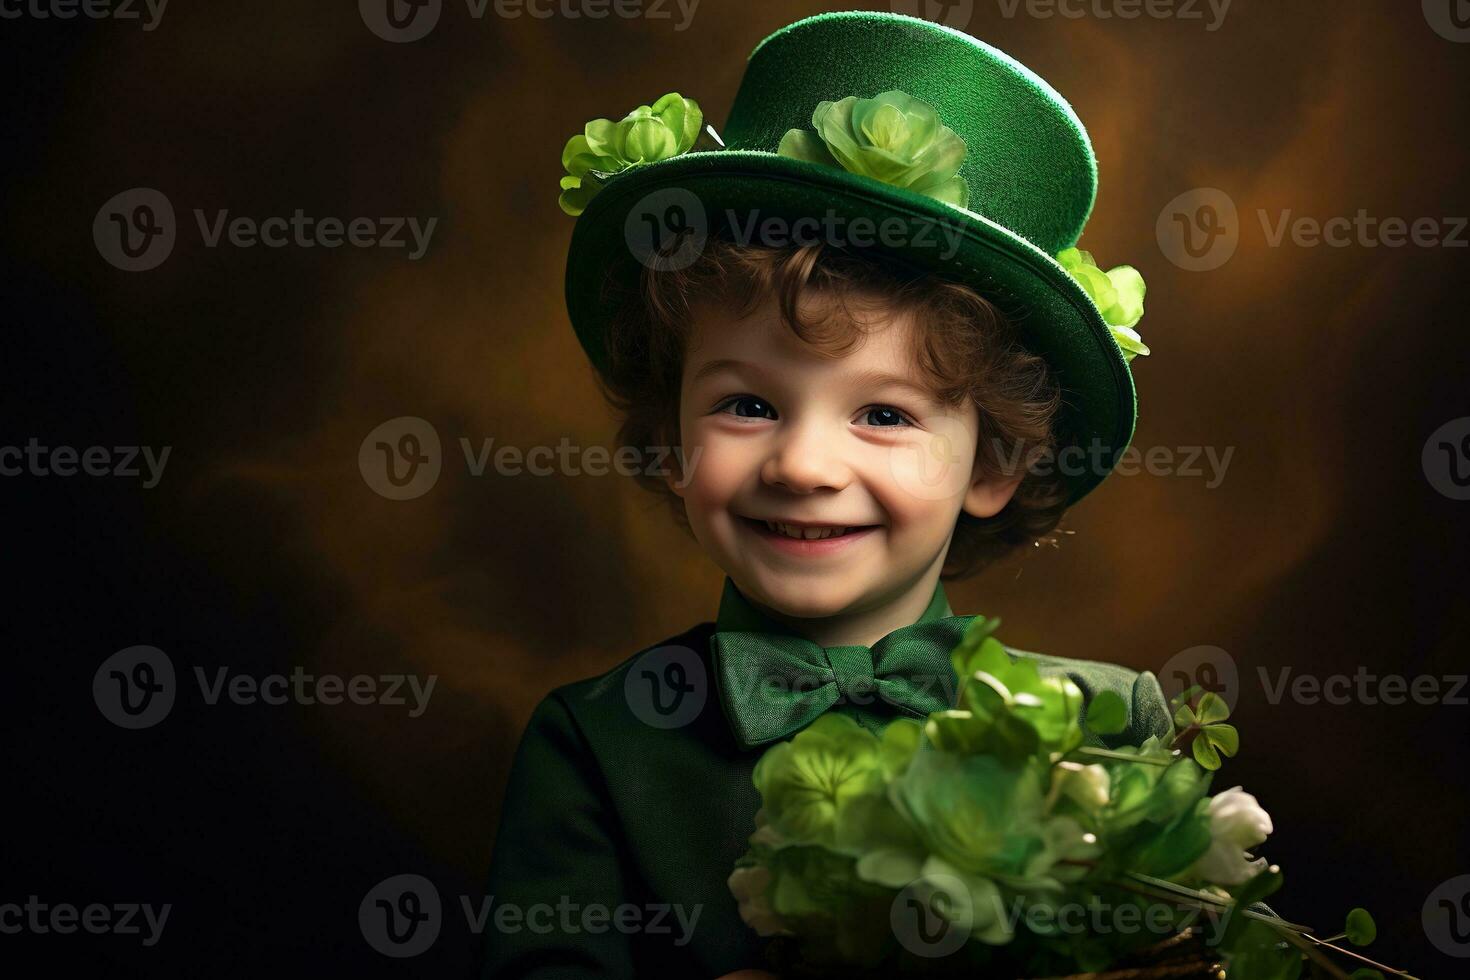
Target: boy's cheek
[[912, 518], [713, 472], [923, 477]]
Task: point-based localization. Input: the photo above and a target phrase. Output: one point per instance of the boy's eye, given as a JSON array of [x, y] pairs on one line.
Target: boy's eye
[[886, 415], [752, 407], [748, 407]]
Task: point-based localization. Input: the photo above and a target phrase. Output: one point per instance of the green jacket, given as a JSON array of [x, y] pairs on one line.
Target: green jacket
[[617, 836]]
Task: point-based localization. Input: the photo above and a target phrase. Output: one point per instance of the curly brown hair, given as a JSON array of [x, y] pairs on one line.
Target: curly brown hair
[[966, 348]]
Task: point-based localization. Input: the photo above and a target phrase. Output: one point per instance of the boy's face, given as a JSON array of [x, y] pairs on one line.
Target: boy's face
[[851, 448]]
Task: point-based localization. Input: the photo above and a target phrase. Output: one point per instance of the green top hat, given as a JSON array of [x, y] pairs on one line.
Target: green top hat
[[880, 116]]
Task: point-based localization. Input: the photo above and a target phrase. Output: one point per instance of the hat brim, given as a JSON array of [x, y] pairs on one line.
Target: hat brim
[[1053, 316]]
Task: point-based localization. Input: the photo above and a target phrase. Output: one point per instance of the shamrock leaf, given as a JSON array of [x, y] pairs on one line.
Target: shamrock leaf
[[1361, 929], [1203, 728]]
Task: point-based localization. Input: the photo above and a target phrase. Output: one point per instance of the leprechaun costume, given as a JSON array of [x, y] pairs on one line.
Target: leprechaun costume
[[631, 793]]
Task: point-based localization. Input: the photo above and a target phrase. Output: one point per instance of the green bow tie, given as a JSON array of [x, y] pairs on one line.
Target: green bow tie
[[773, 683]]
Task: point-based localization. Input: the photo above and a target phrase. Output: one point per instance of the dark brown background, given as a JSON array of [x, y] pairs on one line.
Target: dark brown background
[[1324, 549]]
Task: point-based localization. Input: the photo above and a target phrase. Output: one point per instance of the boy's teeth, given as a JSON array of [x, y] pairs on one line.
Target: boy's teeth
[[806, 533]]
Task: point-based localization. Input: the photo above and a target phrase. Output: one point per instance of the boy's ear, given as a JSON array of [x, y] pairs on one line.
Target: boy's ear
[[989, 493], [674, 473]]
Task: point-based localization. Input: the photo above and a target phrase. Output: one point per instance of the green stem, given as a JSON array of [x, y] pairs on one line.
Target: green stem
[[1282, 924], [1122, 756], [1185, 737], [1300, 943], [1358, 956], [1297, 935], [1212, 901]]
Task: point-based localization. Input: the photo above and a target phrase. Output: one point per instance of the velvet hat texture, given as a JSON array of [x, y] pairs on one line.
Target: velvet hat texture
[[906, 137]]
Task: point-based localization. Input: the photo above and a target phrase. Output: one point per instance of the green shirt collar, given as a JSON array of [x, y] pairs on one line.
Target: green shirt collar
[[738, 615]]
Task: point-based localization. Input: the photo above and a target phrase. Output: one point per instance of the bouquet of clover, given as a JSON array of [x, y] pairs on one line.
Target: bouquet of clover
[[992, 841]]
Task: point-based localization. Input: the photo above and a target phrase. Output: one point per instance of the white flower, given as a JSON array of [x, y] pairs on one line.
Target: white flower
[[1237, 823], [1088, 786], [750, 887]]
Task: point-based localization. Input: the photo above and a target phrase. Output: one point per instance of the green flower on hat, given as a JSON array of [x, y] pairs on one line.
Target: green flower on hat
[[1118, 294], [892, 137], [648, 134]]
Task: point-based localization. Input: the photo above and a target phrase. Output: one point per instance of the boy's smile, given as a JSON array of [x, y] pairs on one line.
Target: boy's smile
[[807, 538], [816, 488]]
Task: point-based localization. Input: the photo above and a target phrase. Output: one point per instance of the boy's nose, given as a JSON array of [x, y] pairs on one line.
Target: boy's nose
[[806, 460]]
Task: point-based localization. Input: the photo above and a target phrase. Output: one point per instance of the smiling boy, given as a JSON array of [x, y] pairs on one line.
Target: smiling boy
[[857, 425], [833, 469]]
